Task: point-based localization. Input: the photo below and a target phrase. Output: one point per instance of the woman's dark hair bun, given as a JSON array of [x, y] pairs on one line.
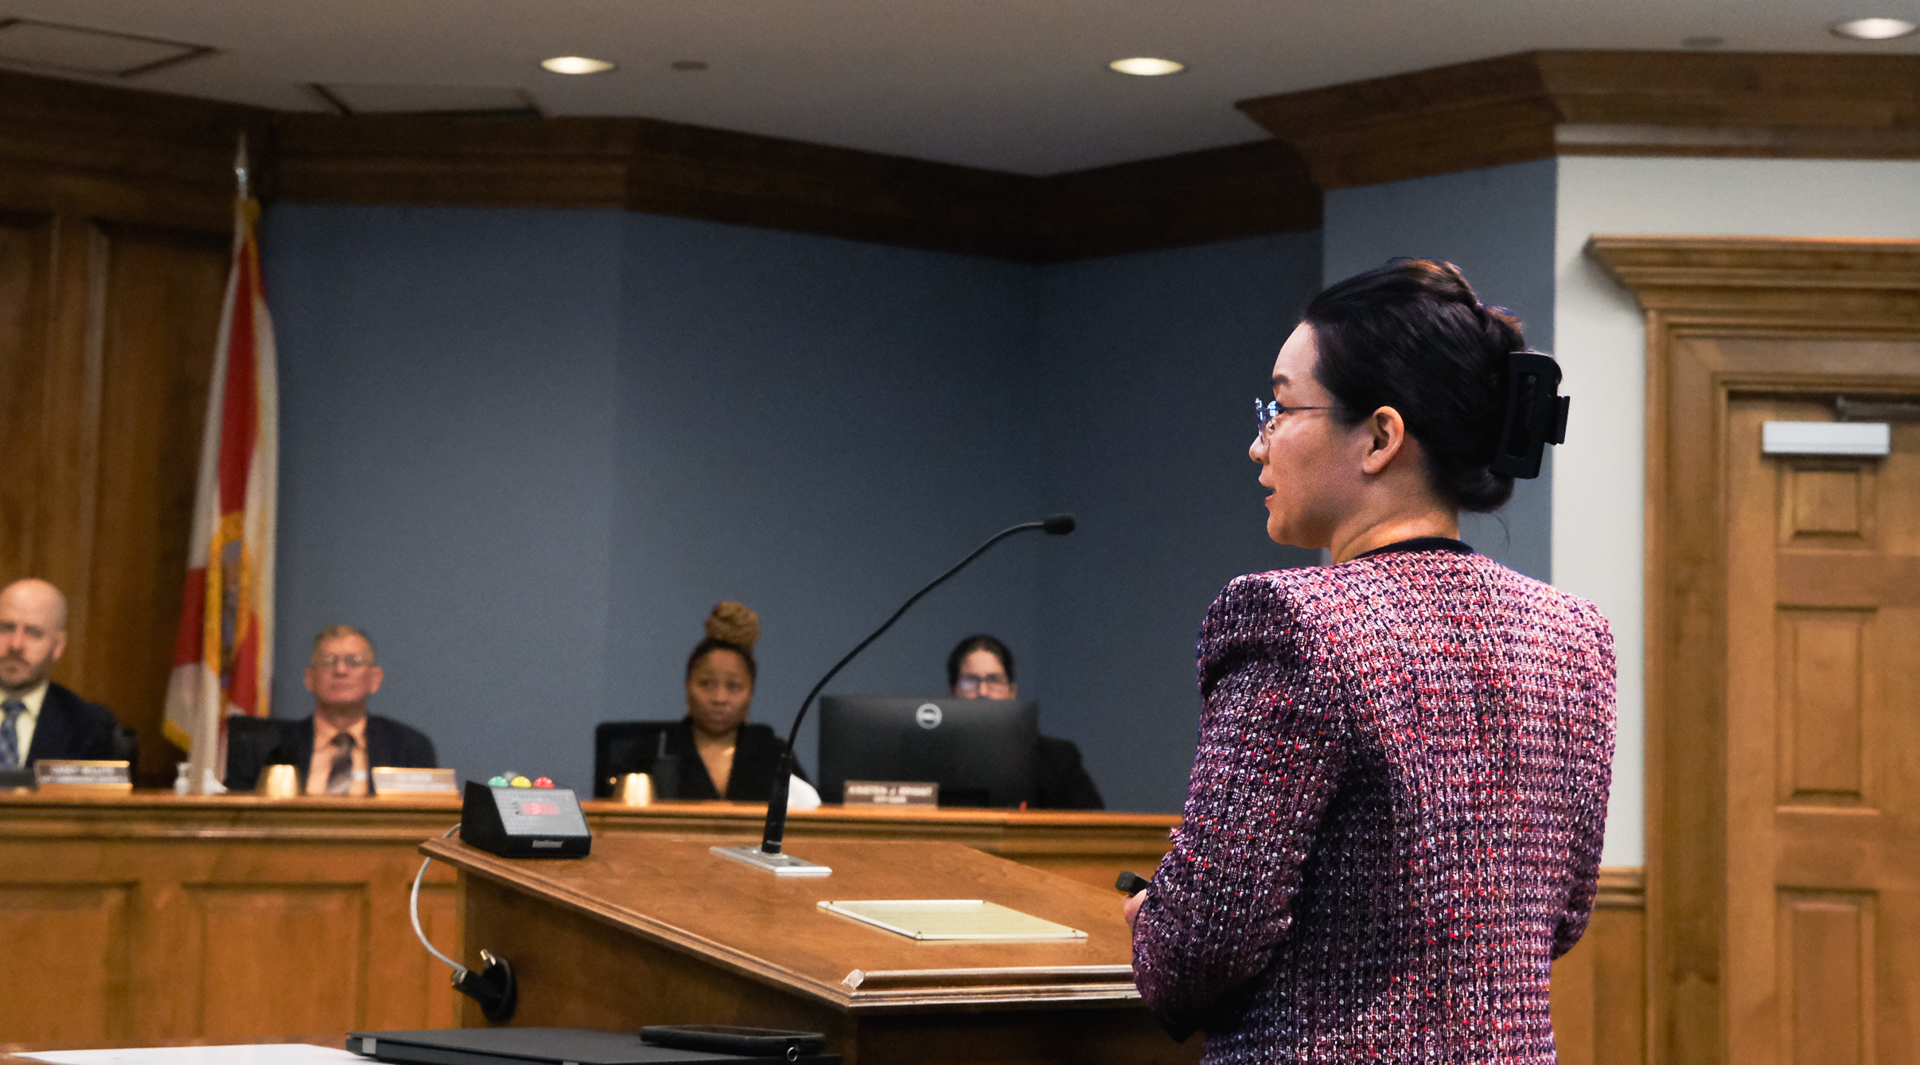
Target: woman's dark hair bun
[[1412, 335], [731, 627]]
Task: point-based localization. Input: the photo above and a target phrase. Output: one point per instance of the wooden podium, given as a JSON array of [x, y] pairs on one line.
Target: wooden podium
[[659, 930]]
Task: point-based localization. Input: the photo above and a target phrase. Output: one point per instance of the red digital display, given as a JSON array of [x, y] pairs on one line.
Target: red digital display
[[539, 809]]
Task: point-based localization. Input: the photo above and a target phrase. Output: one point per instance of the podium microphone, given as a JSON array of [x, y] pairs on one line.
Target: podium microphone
[[768, 855]]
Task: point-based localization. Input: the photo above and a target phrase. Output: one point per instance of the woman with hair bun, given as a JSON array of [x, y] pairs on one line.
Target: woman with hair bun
[[736, 760], [1394, 819]]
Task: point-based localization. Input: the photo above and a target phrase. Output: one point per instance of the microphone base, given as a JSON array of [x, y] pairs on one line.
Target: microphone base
[[777, 864]]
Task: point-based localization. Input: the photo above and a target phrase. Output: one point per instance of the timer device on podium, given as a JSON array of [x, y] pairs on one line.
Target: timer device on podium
[[524, 821]]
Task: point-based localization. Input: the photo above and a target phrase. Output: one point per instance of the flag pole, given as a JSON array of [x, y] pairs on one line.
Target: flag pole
[[223, 651], [240, 167]]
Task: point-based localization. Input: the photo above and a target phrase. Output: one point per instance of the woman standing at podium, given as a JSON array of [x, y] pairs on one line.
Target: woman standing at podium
[[1394, 818]]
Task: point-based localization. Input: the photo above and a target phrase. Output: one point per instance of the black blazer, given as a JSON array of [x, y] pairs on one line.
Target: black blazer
[[1060, 782], [756, 757], [253, 743], [71, 727]]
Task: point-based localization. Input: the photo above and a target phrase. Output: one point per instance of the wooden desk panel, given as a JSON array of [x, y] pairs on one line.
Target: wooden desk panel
[[150, 918], [154, 918], [143, 919]]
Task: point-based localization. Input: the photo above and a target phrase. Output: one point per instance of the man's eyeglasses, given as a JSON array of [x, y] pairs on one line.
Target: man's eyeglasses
[[350, 661], [1268, 411], [973, 684]]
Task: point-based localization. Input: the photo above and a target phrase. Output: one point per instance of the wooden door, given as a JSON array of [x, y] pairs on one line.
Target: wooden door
[[1782, 709], [1823, 744]]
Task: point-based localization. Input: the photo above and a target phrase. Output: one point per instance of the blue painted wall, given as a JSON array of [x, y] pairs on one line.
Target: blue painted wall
[[530, 449], [816, 428], [1153, 362], [447, 397], [1498, 225]]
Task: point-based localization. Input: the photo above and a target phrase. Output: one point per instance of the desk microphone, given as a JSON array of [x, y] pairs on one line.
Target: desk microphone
[[768, 855]]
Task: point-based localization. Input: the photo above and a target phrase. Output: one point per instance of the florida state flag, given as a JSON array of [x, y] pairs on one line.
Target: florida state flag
[[223, 657]]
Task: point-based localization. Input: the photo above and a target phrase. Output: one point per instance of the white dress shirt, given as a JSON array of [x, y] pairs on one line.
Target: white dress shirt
[[23, 725]]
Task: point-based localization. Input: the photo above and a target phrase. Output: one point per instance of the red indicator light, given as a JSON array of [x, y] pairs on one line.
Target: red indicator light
[[539, 809]]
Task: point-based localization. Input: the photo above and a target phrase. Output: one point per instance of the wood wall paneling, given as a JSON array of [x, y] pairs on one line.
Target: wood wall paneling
[[26, 327], [159, 303], [115, 220], [1599, 987], [105, 397]]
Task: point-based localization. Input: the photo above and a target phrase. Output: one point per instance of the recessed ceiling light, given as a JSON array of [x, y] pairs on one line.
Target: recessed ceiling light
[[689, 64], [1145, 67], [576, 64], [1873, 29]]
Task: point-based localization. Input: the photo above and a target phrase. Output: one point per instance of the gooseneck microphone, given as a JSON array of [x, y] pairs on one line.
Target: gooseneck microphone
[[770, 841]]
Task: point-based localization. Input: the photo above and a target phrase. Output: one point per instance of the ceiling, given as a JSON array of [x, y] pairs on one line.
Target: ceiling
[[1016, 85]]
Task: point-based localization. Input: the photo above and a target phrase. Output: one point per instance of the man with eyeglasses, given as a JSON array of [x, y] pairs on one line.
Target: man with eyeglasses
[[981, 667], [334, 749]]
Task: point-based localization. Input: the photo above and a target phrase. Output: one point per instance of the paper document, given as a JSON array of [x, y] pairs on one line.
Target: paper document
[[951, 919]]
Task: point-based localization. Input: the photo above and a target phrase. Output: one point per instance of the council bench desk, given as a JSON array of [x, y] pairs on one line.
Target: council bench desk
[[146, 918]]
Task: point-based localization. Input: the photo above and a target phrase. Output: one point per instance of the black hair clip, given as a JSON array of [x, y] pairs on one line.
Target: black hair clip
[[1535, 414]]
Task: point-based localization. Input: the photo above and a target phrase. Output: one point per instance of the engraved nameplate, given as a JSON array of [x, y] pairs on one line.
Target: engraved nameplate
[[891, 793], [395, 782], [57, 774]]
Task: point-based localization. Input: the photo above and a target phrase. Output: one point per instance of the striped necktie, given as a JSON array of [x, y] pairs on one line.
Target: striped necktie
[[10, 734], [340, 774]]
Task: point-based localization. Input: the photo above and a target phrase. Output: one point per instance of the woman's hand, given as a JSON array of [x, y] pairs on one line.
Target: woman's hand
[[1131, 908]]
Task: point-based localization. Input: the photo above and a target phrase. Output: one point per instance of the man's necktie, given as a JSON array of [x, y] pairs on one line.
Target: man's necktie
[[340, 774], [10, 734]]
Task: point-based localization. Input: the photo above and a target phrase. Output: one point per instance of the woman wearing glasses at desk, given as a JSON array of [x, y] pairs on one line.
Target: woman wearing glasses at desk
[[981, 667], [1394, 819]]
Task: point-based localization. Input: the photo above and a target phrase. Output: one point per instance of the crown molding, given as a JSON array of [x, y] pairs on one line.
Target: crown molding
[[1219, 194], [1537, 105], [129, 156], [668, 168], [1860, 285], [168, 160]]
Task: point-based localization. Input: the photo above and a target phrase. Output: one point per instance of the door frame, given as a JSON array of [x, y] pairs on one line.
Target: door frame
[[1700, 288]]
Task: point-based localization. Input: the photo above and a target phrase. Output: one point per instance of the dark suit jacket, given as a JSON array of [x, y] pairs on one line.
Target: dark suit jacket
[[1060, 782], [756, 757], [255, 743], [71, 727]]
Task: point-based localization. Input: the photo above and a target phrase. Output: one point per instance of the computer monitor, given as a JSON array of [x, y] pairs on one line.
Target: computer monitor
[[980, 751]]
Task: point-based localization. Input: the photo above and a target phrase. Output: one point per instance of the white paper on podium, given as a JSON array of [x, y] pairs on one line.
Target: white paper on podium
[[249, 1054], [950, 919]]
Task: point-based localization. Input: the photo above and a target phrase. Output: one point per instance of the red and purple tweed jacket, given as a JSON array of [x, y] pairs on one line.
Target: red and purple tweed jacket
[[1394, 819]]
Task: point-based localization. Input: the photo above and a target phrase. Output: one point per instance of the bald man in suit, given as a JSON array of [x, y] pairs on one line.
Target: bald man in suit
[[38, 718]]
